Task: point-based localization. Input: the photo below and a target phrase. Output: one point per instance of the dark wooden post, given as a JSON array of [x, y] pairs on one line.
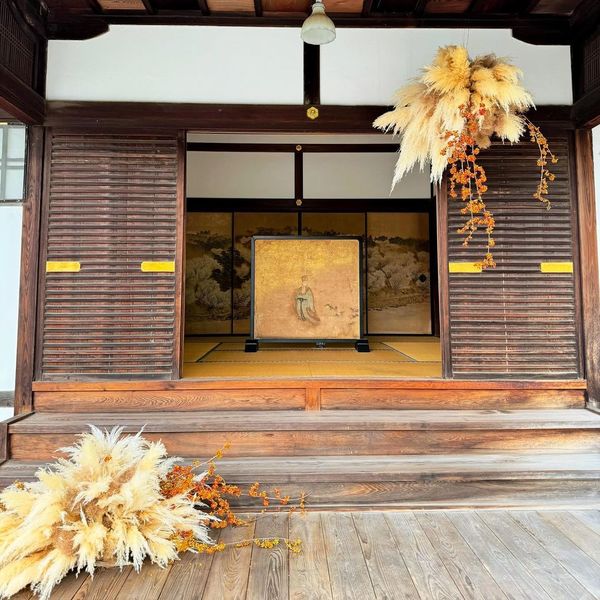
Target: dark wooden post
[[590, 286], [441, 193], [179, 334], [30, 243]]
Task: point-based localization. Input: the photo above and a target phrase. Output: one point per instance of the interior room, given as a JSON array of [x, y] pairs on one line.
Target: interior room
[[240, 186]]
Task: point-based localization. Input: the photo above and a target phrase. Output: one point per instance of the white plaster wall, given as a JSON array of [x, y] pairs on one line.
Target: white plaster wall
[[10, 251], [264, 65], [366, 66], [179, 64]]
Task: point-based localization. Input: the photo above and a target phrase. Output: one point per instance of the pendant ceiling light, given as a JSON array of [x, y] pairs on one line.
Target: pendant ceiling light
[[318, 28]]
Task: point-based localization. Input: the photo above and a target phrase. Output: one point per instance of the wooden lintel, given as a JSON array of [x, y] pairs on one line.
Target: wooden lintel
[[255, 118], [19, 100]]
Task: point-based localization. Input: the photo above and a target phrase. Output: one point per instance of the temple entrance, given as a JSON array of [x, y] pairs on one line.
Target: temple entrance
[[237, 190]]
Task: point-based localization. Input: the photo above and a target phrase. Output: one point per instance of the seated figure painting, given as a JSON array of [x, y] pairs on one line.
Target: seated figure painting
[[306, 288]]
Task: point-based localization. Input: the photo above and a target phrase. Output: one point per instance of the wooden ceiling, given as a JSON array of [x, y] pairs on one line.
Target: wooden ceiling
[[537, 21]]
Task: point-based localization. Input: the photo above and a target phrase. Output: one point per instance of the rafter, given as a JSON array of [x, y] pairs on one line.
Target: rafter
[[419, 8], [203, 6], [149, 7]]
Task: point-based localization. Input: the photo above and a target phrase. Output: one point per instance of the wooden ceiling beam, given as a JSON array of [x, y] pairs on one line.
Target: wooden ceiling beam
[[585, 18], [419, 8], [19, 100], [258, 9], [529, 6], [149, 7], [203, 6], [367, 7]]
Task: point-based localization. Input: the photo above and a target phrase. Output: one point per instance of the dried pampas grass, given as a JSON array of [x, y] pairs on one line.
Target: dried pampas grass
[[433, 105], [449, 115], [101, 504]]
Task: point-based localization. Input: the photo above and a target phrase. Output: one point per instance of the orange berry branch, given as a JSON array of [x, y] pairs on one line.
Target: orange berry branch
[[210, 489]]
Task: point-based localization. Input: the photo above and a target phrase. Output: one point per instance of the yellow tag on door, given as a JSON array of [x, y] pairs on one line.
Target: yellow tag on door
[[167, 266], [57, 266]]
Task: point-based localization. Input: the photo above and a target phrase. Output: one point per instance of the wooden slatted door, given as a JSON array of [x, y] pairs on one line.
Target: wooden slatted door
[[109, 299], [521, 319]]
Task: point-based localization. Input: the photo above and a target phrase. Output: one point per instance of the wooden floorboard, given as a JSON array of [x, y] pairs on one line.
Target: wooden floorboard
[[547, 571], [584, 568], [420, 555]]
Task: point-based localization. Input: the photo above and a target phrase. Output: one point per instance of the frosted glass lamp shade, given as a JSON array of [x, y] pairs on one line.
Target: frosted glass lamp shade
[[318, 28]]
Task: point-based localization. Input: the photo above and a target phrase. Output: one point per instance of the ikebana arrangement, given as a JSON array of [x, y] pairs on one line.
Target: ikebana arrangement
[[114, 501], [450, 114]]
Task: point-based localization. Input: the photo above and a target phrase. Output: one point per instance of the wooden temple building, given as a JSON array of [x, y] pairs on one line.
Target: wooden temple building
[[147, 176]]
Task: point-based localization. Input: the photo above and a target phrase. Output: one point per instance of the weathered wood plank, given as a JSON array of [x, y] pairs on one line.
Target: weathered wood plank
[[330, 443], [106, 584], [347, 420], [515, 579], [145, 585], [389, 575], [187, 577], [577, 562], [403, 399], [581, 535], [591, 518], [427, 570], [309, 575], [467, 571], [547, 571], [275, 398], [69, 587], [228, 576], [269, 568], [347, 569]]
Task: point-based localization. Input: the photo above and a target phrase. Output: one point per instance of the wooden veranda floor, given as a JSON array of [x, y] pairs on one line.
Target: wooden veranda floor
[[489, 555]]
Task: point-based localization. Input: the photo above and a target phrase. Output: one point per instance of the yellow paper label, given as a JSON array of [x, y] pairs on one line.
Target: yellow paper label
[[556, 267], [167, 266], [464, 267], [56, 266]]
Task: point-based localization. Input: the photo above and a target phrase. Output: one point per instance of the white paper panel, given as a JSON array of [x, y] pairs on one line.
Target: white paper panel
[[10, 250], [179, 64], [364, 175], [366, 66], [240, 175]]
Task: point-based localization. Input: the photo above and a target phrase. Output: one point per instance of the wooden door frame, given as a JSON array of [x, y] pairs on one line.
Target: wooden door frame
[[129, 117]]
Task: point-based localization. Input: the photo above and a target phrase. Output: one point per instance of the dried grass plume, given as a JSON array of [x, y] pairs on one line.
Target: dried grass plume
[[101, 504], [434, 104]]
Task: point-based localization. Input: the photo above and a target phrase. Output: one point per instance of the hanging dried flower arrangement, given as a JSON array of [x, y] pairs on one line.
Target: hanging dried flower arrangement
[[450, 114], [115, 501]]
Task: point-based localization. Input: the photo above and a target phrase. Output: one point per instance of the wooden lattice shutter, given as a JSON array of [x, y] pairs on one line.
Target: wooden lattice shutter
[[514, 320], [111, 203]]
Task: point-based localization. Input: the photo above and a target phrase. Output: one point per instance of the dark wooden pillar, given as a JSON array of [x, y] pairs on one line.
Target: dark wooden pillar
[[441, 193], [590, 286], [30, 243]]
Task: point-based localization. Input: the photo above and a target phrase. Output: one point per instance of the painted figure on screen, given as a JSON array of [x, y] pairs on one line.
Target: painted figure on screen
[[305, 302]]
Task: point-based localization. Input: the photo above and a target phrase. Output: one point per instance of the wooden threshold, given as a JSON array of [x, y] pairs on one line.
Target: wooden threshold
[[305, 394]]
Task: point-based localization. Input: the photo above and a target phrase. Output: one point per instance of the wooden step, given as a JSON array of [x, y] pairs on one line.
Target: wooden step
[[327, 433], [475, 480]]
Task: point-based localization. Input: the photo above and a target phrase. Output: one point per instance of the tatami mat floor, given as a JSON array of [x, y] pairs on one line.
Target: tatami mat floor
[[406, 356]]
